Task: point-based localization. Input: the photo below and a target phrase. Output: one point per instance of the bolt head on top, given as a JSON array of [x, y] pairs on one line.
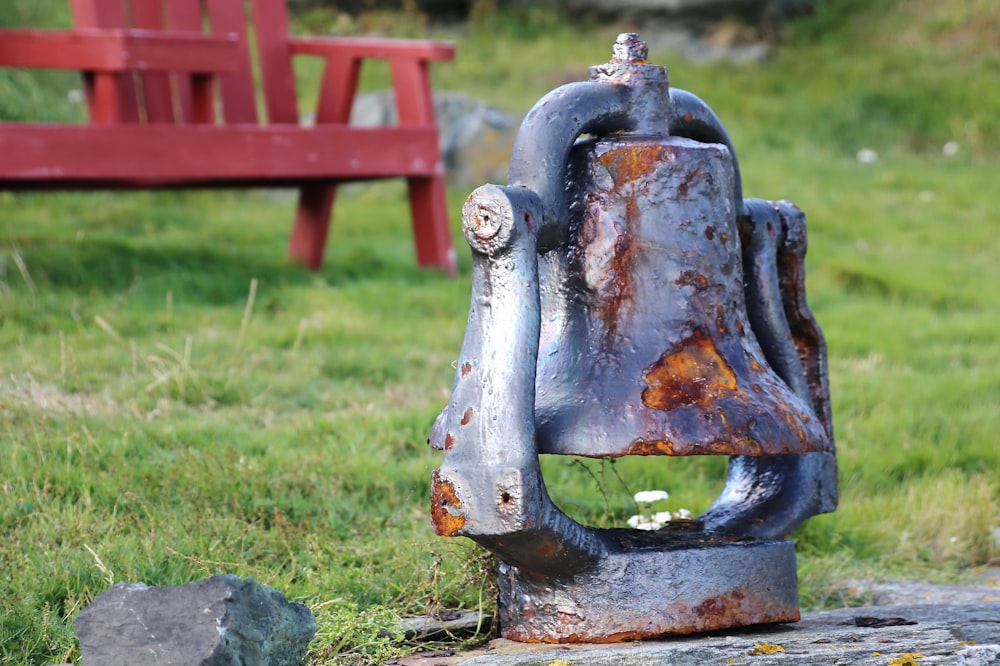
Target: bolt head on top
[[629, 49]]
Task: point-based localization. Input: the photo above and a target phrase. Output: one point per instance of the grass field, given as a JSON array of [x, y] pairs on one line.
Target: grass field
[[178, 400]]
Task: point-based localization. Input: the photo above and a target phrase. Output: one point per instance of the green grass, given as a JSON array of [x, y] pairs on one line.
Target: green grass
[[177, 399]]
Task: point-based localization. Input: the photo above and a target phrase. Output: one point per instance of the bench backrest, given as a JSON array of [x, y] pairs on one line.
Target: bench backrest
[[158, 97]]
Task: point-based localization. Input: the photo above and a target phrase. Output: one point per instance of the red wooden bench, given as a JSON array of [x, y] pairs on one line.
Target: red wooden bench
[[172, 101]]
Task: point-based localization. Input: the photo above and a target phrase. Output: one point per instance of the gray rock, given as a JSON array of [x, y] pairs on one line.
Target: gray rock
[[219, 621], [898, 593], [476, 139]]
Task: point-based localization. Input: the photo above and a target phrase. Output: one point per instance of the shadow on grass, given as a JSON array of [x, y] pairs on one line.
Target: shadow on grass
[[216, 272]]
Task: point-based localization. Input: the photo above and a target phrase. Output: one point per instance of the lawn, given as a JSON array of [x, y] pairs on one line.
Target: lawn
[[178, 400]]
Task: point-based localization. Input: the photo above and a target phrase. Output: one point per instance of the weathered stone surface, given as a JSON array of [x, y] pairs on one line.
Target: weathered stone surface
[[476, 139], [947, 624], [219, 621], [901, 593], [963, 635]]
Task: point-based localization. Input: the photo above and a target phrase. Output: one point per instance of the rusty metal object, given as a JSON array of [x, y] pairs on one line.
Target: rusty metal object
[[646, 346], [628, 301], [653, 591]]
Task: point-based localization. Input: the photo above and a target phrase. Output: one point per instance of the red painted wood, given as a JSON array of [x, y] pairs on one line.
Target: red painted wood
[[118, 50], [412, 83], [184, 15], [91, 50], [307, 243], [414, 103], [271, 23], [176, 62], [106, 104], [338, 89], [107, 14], [237, 91], [372, 47], [312, 219], [429, 216], [160, 155], [428, 205], [156, 97], [202, 100]]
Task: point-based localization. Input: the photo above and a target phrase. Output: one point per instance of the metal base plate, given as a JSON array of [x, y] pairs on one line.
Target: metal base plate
[[649, 590]]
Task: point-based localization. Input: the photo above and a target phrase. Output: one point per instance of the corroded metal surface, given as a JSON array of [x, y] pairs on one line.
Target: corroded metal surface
[[628, 301], [653, 592], [646, 347]]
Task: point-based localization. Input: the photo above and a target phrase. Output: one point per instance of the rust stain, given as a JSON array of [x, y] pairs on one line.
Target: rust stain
[[626, 166], [621, 270], [735, 609], [689, 179], [467, 416], [710, 233], [743, 446], [449, 441], [757, 388], [633, 162], [693, 374], [466, 369], [720, 606], [692, 279], [549, 549], [645, 447], [443, 501]]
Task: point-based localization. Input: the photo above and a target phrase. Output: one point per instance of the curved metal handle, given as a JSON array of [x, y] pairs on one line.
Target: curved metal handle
[[603, 107]]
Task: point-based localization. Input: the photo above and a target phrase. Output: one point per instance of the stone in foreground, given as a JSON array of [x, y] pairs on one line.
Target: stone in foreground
[[219, 621]]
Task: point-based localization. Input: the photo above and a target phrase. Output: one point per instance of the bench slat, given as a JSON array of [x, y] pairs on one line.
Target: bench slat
[[147, 156], [118, 50], [372, 47]]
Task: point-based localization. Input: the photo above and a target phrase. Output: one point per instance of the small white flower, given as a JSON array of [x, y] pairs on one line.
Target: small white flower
[[867, 156], [643, 523], [950, 149], [953, 540], [74, 96], [662, 517], [926, 196], [650, 496], [683, 514]]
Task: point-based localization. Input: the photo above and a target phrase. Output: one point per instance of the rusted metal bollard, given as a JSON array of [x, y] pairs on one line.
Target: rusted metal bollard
[[628, 301]]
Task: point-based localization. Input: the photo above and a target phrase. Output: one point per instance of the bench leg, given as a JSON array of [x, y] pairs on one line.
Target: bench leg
[[429, 211], [312, 223]]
